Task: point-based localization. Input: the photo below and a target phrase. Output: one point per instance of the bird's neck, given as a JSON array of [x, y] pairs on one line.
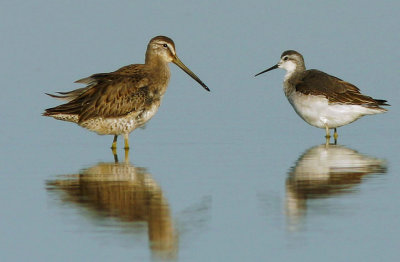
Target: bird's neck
[[293, 71], [158, 66], [160, 73], [291, 78]]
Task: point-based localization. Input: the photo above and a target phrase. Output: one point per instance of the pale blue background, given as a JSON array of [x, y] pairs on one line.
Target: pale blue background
[[233, 146]]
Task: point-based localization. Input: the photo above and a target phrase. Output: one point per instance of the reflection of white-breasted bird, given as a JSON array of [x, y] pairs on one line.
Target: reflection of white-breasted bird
[[324, 171], [320, 99]]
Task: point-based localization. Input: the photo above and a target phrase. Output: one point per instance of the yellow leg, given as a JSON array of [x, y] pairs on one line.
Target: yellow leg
[[328, 135], [126, 155], [335, 136], [114, 148], [126, 138], [114, 144], [114, 151]]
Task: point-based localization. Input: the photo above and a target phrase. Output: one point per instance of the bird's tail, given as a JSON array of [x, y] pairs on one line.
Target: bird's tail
[[382, 102]]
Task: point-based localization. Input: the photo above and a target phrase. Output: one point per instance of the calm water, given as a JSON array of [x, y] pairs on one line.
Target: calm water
[[231, 175]]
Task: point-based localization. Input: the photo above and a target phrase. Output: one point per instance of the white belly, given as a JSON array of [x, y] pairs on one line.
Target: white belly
[[120, 125], [316, 111]]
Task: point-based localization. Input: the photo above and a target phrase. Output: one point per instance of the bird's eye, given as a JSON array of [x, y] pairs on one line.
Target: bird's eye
[[165, 45], [285, 58]]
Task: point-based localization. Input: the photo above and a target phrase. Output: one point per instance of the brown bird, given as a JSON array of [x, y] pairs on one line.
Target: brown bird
[[320, 99], [117, 103]]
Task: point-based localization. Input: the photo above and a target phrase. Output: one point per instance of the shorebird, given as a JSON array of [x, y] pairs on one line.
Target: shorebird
[[322, 100], [117, 103]]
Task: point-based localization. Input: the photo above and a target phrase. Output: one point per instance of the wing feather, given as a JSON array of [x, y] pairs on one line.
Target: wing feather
[[315, 82], [108, 94]]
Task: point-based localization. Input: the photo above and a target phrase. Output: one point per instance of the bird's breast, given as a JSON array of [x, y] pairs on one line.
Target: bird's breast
[[312, 109], [288, 89]]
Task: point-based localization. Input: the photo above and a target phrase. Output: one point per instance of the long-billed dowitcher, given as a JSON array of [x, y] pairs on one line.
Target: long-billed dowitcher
[[320, 99], [117, 103]]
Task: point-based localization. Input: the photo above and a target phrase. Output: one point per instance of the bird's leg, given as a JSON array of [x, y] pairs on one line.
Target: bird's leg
[[327, 140], [115, 156], [114, 144], [335, 136], [114, 148], [126, 138], [127, 156], [328, 135]]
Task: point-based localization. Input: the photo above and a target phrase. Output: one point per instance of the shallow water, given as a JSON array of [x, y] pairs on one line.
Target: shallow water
[[327, 198], [231, 175]]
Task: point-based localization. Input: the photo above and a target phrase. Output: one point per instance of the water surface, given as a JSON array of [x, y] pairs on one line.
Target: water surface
[[230, 175]]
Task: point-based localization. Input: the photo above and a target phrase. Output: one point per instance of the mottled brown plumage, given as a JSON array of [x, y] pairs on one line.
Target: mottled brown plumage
[[121, 101]]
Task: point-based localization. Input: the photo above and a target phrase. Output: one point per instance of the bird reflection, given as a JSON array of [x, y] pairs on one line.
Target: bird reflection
[[324, 171], [126, 192]]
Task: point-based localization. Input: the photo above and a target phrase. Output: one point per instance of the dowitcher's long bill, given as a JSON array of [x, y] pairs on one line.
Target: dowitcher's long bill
[[320, 99], [117, 103]]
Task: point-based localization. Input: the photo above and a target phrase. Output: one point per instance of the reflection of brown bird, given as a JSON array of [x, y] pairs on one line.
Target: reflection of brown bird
[[126, 192], [117, 103], [324, 171]]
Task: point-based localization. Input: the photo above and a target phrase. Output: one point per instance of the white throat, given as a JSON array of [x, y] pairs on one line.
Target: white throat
[[290, 68]]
